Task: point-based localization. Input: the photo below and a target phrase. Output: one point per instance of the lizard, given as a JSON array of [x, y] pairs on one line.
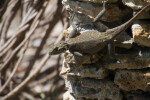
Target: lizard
[[92, 42]]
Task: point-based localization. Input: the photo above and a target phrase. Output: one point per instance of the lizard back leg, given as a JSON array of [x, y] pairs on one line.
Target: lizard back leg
[[101, 13], [98, 24]]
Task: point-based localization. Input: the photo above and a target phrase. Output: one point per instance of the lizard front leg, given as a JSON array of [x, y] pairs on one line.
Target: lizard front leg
[[74, 31], [76, 26], [111, 50]]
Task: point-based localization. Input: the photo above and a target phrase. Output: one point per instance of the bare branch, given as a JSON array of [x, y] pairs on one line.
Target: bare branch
[[3, 9], [8, 20], [15, 68], [3, 68], [51, 26], [27, 80], [16, 57]]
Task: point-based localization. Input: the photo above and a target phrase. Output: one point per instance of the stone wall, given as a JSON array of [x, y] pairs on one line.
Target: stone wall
[[126, 76]]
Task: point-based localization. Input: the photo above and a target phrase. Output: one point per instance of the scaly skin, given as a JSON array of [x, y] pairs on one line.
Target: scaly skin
[[92, 42]]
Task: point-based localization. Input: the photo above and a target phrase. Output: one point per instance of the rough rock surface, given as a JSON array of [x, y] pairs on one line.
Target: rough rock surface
[[141, 33], [124, 76], [131, 80], [68, 96], [130, 62], [113, 13], [100, 1], [135, 4], [124, 41], [135, 96], [93, 88]]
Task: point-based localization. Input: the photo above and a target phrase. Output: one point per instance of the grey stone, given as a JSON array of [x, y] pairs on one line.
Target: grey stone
[[130, 61], [141, 33], [132, 80], [100, 1], [135, 96], [96, 71], [135, 4], [97, 89], [113, 12], [124, 41]]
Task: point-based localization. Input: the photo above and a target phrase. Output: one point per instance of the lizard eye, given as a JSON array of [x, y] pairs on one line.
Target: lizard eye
[[61, 49]]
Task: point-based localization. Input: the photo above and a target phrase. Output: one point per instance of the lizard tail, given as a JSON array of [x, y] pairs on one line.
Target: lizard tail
[[114, 32]]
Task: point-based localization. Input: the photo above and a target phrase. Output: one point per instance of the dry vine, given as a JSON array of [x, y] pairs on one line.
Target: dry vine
[[27, 28]]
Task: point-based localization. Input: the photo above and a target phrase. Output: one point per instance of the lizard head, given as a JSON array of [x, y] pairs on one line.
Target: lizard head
[[58, 48]]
